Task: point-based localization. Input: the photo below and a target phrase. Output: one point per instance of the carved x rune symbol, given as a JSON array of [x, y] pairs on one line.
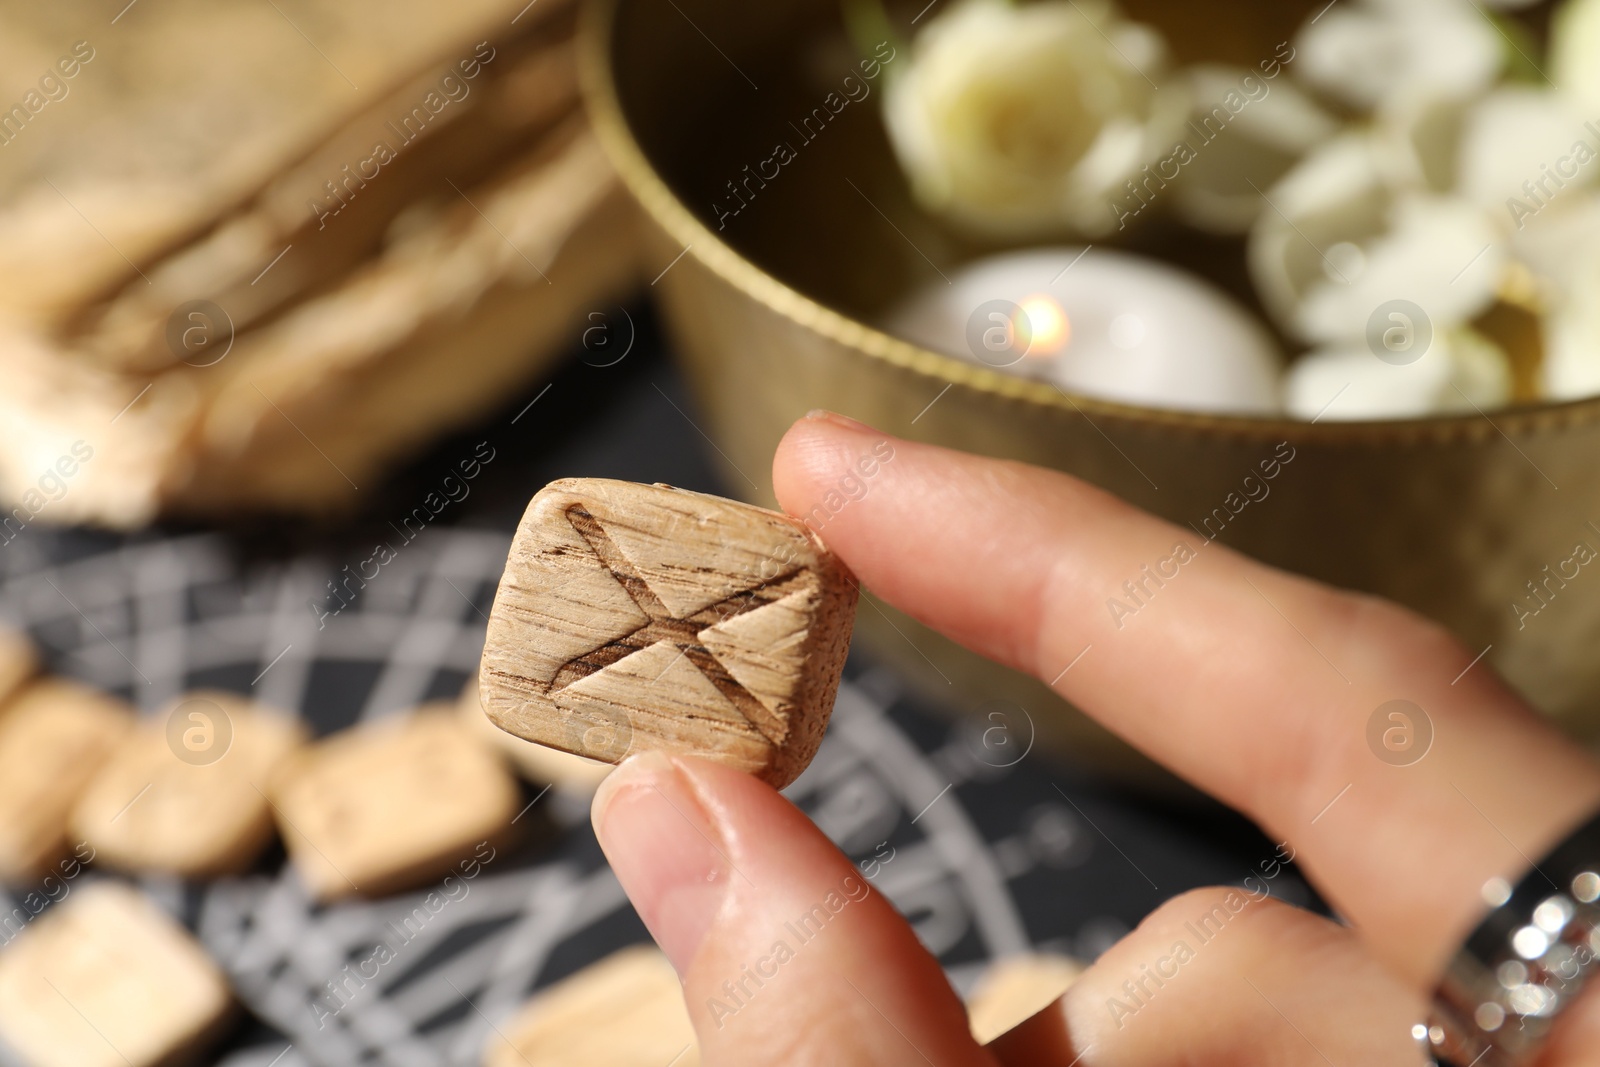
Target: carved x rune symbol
[[683, 632]]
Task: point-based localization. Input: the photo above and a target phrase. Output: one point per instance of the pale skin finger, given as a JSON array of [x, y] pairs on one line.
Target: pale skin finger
[[787, 953], [1256, 685], [1220, 976]]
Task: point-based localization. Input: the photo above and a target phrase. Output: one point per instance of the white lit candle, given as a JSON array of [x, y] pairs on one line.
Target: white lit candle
[[1104, 324]]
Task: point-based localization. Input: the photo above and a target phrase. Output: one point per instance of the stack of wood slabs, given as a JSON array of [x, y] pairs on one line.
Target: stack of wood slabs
[[252, 254]]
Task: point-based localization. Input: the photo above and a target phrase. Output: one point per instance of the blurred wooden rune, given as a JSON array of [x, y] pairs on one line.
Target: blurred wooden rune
[[185, 793], [392, 805], [625, 1011], [1014, 989], [108, 979], [637, 617], [54, 737], [255, 278]]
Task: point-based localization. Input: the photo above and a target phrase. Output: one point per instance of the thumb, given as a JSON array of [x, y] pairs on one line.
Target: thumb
[[787, 954]]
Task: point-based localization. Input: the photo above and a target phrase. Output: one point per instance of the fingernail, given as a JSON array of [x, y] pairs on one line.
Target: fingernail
[[845, 421], [665, 850]]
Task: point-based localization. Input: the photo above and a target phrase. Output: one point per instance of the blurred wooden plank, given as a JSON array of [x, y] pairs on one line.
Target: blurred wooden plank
[[186, 111], [324, 215], [463, 309]]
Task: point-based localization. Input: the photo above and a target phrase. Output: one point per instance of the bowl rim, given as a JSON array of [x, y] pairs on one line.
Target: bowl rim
[[666, 210]]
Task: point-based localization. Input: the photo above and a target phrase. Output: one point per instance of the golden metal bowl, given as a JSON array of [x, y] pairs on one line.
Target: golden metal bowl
[[769, 309]]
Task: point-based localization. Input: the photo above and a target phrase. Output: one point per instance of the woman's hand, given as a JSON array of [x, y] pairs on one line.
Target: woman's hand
[[1253, 684]]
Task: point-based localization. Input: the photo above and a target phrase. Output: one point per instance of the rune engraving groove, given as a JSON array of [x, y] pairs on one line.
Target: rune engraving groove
[[680, 632]]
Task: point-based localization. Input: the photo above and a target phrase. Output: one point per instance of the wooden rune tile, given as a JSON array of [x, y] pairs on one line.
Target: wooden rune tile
[[54, 737], [625, 1011], [391, 804], [107, 979], [537, 763], [635, 617], [185, 793]]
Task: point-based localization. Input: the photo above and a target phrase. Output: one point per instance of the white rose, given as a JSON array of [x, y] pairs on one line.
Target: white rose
[[1531, 161], [1460, 371], [1340, 241], [1012, 120], [1365, 53], [1512, 151]]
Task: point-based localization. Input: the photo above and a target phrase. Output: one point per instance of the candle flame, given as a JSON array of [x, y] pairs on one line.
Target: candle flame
[[1048, 325]]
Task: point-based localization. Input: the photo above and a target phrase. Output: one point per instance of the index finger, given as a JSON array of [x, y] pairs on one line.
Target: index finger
[[1256, 685]]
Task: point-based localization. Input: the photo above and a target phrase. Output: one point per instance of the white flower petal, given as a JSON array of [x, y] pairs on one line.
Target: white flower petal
[[1574, 62], [1339, 172], [1571, 367], [1461, 369], [1418, 140], [1335, 195], [1520, 143], [1557, 243], [1246, 151], [1441, 254], [911, 134], [1340, 240], [1365, 54], [1139, 45], [1352, 384]]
